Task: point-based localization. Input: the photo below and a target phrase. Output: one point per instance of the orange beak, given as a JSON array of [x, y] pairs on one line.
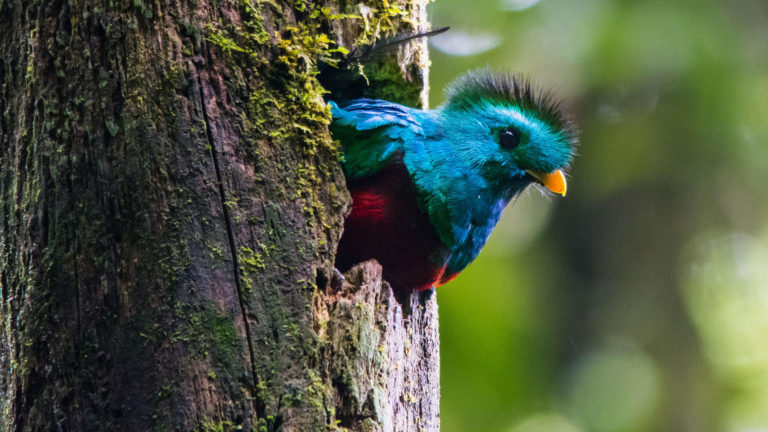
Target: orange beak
[[554, 181]]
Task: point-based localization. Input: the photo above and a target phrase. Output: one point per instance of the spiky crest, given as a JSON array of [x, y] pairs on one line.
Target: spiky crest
[[480, 86]]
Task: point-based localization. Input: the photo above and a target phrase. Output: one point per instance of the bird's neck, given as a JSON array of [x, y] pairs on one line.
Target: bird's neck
[[472, 223], [462, 202]]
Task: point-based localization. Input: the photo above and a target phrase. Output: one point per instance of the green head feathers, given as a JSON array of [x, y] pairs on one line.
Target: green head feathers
[[508, 104]]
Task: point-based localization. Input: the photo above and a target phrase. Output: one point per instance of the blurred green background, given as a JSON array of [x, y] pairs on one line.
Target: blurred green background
[[640, 301]]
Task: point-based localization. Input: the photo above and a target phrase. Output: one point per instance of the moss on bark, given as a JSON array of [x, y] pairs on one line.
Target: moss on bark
[[169, 194]]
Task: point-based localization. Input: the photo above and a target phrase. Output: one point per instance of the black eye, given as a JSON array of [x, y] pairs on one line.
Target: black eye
[[509, 139]]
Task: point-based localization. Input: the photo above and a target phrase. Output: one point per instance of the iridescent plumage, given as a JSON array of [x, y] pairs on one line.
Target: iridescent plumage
[[428, 187]]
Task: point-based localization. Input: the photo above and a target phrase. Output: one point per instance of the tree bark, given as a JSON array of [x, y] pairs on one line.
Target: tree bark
[[170, 204]]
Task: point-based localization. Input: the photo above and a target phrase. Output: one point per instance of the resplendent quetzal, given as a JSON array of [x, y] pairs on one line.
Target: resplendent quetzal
[[428, 186]]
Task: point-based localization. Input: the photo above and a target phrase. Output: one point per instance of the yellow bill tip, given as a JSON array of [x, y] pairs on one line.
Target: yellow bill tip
[[554, 181]]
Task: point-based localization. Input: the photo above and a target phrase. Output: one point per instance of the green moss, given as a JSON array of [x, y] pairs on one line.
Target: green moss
[[226, 43], [319, 393], [144, 9], [210, 425], [207, 333], [112, 127], [387, 82], [216, 252], [245, 40], [380, 18], [251, 261], [262, 424]]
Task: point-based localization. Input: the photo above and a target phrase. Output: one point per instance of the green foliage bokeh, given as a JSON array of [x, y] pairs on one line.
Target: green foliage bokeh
[[640, 301]]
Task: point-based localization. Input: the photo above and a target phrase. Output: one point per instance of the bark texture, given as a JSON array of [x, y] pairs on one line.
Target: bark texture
[[170, 199], [382, 354]]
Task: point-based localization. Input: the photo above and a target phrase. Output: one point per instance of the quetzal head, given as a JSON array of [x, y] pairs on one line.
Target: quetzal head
[[499, 124]]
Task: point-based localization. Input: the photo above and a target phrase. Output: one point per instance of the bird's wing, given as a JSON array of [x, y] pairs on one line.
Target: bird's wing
[[372, 132]]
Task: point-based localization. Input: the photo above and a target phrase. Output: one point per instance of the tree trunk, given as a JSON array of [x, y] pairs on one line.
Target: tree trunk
[[170, 204]]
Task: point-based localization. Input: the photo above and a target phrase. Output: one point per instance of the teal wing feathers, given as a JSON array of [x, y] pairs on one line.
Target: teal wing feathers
[[372, 132]]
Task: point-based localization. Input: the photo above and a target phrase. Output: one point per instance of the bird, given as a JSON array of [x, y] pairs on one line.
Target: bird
[[429, 186]]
